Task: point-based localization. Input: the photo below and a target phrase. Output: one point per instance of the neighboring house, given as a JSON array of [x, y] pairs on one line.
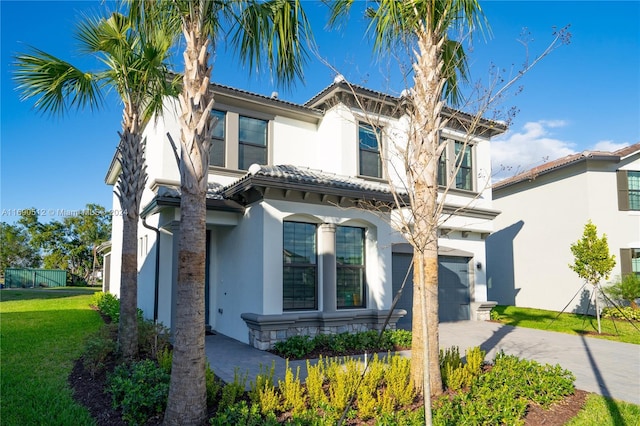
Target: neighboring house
[[544, 210], [289, 251]]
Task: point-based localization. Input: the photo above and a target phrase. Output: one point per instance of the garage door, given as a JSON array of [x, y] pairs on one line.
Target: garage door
[[453, 288]]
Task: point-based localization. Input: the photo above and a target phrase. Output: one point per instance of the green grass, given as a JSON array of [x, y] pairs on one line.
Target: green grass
[[42, 333], [620, 330], [599, 411]]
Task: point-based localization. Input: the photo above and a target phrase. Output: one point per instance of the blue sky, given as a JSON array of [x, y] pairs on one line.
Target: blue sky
[[584, 96]]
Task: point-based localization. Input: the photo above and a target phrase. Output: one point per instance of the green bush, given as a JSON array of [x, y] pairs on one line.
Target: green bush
[[231, 392], [622, 312], [295, 347], [99, 348], [107, 304], [240, 414], [399, 338], [140, 390]]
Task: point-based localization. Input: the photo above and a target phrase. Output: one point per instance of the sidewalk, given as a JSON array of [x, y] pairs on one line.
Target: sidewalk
[[600, 366]]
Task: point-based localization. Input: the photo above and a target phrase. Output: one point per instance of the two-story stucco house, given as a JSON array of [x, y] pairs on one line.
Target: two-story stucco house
[[289, 250], [544, 210]]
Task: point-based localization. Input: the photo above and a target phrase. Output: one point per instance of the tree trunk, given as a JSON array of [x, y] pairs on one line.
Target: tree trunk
[[128, 323], [187, 404], [130, 185], [187, 395], [424, 150]]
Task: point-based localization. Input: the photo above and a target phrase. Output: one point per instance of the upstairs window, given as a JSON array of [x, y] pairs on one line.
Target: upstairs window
[[464, 164], [628, 190], [300, 275], [369, 148], [217, 150], [442, 169], [350, 264], [455, 165], [252, 140]]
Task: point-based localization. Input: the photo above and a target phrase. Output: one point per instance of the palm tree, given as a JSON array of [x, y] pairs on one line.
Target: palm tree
[[135, 65], [438, 62], [273, 31]]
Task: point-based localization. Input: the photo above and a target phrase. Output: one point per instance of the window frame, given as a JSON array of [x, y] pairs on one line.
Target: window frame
[[242, 143], [301, 306], [360, 269], [377, 134]]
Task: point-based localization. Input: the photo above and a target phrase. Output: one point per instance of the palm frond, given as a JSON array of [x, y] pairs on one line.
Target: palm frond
[[276, 32], [57, 85]]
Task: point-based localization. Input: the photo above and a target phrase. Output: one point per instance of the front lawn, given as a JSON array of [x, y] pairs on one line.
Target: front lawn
[[618, 330], [43, 333]]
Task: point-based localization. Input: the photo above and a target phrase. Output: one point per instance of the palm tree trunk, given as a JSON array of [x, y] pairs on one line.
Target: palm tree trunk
[[423, 172], [130, 185], [187, 403], [128, 323]]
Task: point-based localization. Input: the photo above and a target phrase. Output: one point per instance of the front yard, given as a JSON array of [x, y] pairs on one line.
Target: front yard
[[44, 333]]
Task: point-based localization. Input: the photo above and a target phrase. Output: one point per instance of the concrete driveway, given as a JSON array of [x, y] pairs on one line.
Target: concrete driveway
[[600, 366]]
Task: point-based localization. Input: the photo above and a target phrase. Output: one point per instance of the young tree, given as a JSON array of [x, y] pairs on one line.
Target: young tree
[[592, 262], [273, 31], [135, 65]]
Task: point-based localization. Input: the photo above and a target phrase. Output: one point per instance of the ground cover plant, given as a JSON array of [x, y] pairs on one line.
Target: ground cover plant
[[616, 329], [43, 332]]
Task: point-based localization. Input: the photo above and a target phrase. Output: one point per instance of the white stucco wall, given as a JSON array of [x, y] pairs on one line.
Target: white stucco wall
[[116, 247]]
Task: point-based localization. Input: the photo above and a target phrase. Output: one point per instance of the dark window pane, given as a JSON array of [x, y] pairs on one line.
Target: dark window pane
[[253, 142], [299, 269], [253, 131], [442, 169], [350, 283], [370, 162], [249, 155], [464, 161], [217, 150]]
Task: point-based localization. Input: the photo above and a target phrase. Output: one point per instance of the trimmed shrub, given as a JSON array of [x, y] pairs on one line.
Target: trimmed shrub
[[140, 390]]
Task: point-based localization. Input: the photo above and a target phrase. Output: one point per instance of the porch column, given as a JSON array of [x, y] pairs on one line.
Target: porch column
[[328, 246]]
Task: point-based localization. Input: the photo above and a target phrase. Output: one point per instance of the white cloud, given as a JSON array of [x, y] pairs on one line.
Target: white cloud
[[609, 146], [533, 145]]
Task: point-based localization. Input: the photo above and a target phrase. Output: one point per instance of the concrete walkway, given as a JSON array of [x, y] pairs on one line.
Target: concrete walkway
[[600, 366]]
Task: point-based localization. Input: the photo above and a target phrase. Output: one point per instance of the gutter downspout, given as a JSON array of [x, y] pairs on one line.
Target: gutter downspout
[[156, 277]]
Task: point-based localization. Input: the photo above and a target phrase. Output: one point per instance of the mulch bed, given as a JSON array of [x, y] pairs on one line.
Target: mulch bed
[[89, 391]]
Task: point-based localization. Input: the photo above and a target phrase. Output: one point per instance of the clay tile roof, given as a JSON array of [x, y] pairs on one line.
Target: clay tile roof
[[547, 167], [310, 177]]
